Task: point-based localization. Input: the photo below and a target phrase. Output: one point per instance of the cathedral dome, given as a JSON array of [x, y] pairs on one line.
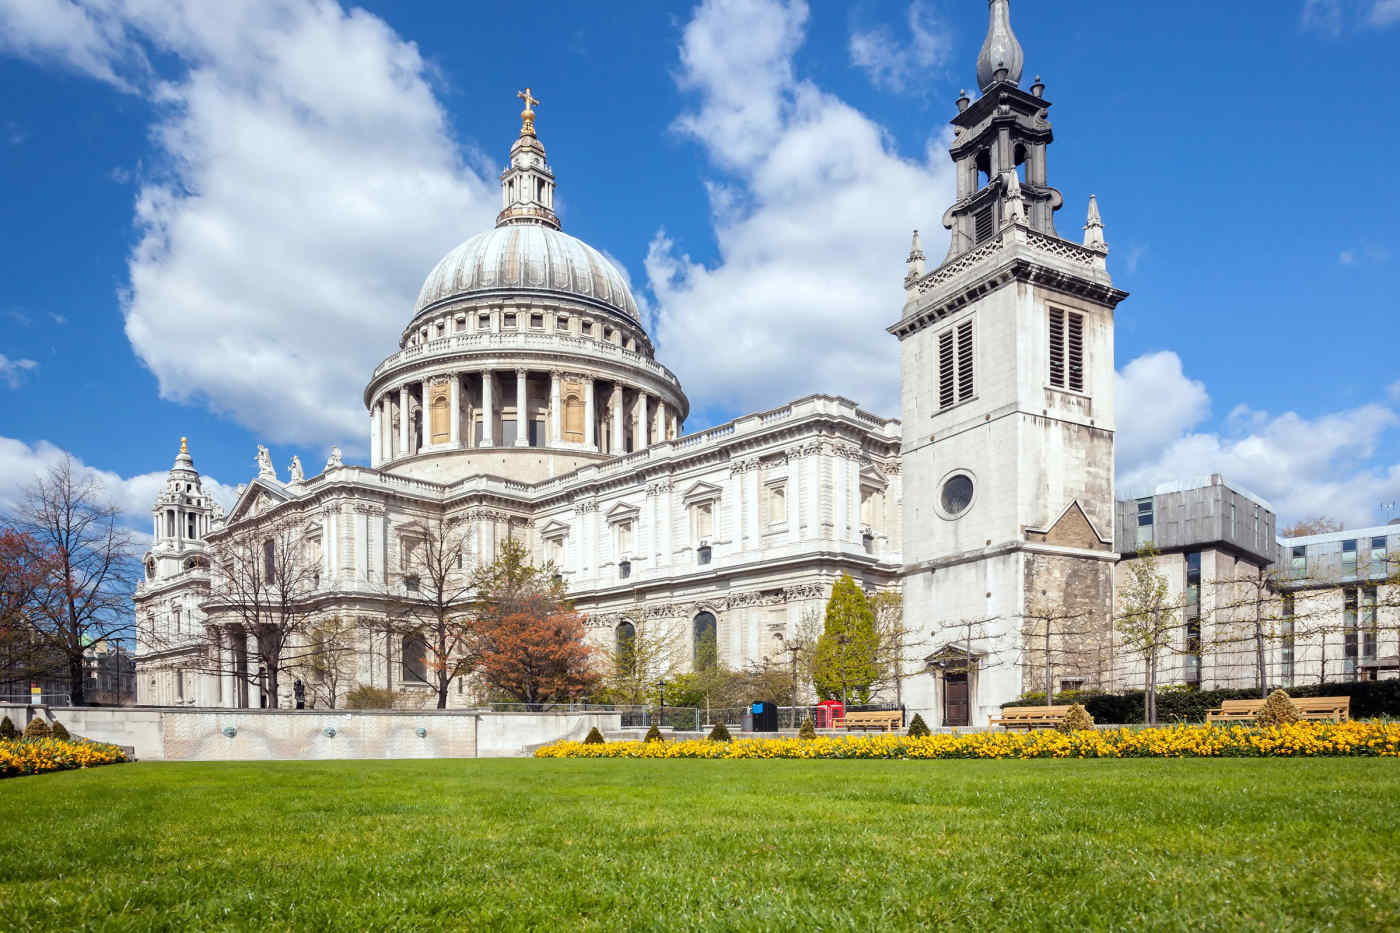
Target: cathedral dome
[[528, 258]]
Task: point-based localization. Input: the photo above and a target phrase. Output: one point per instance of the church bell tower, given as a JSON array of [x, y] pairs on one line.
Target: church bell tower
[[1007, 384]]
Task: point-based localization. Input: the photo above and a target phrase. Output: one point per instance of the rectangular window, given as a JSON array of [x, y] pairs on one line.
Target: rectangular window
[[1233, 532], [1286, 653], [483, 322], [269, 561], [947, 371], [704, 521], [1193, 618], [1369, 631], [1066, 350], [985, 223], [1300, 562], [624, 538], [1144, 522], [561, 322], [587, 329], [1379, 562], [507, 432], [1349, 640], [777, 504], [537, 321], [965, 384], [508, 321], [536, 433], [1349, 558]]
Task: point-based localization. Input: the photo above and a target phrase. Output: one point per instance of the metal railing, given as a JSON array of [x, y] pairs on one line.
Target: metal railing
[[27, 699], [789, 717]]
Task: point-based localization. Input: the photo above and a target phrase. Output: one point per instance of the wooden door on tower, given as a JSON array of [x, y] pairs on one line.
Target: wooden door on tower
[[955, 707]]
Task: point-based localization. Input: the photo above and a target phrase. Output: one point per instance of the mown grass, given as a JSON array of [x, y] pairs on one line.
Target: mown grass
[[564, 845]]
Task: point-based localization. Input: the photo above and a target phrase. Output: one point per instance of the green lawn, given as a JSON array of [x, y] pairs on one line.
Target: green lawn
[[562, 845]]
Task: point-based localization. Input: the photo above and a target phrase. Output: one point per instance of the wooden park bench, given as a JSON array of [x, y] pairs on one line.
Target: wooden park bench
[[1313, 709], [887, 720], [1030, 717]]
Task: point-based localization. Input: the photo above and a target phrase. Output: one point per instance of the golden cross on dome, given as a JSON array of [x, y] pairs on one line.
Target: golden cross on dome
[[527, 116], [184, 445]]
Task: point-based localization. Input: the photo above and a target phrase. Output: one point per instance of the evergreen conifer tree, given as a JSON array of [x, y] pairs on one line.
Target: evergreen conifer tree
[[7, 729], [917, 727], [846, 662]]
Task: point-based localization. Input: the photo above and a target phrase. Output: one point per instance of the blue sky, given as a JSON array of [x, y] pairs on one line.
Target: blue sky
[[218, 216]]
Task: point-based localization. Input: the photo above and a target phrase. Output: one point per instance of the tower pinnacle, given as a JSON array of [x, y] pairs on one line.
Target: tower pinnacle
[[527, 185], [1093, 227], [1001, 58]]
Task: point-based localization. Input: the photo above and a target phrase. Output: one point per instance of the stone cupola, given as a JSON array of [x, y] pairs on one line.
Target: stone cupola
[[527, 185], [183, 515], [999, 146]]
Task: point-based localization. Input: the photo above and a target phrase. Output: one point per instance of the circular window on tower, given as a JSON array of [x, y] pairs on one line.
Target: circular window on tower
[[955, 495]]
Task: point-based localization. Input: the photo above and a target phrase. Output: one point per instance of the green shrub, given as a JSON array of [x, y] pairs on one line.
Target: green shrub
[[808, 731], [594, 737], [365, 697], [1278, 710], [60, 731], [37, 729], [654, 734], [1076, 719], [917, 727], [7, 729], [719, 733]]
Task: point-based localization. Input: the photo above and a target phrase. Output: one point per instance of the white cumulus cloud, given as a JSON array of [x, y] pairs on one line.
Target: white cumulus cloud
[[307, 181], [898, 62], [21, 464], [14, 372], [812, 218], [1322, 465]]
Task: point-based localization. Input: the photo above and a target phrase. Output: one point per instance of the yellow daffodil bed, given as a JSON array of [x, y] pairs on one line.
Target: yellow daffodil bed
[[37, 756], [1304, 739]]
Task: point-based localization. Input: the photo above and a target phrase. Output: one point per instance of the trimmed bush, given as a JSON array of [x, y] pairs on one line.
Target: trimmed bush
[[808, 731], [37, 729], [7, 729], [594, 737], [719, 733], [654, 734], [1076, 719], [917, 727], [60, 731], [1278, 710], [366, 697]]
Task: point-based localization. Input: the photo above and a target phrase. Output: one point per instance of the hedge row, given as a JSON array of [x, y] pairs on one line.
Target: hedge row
[[1369, 699]]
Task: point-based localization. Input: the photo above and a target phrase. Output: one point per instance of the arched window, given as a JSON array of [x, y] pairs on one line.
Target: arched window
[[626, 645], [573, 419], [415, 658], [706, 645]]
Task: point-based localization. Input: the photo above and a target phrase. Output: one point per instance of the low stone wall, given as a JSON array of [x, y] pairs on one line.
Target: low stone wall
[[186, 734]]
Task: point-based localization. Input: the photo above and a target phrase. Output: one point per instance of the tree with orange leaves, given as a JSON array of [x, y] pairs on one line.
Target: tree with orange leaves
[[527, 642]]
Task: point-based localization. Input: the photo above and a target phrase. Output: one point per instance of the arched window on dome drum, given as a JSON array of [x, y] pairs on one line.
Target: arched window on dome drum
[[706, 642], [440, 416], [573, 419]]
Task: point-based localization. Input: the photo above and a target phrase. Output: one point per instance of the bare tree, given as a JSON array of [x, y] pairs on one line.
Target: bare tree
[[263, 577], [641, 652], [1147, 620], [893, 640], [1058, 637], [329, 658], [85, 594], [433, 602], [1253, 614], [1311, 526]]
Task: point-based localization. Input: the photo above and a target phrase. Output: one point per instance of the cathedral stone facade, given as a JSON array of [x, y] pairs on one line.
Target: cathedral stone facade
[[525, 402]]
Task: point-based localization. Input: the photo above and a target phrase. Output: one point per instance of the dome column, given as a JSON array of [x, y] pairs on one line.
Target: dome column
[[454, 428], [404, 427], [556, 418], [642, 435], [425, 437], [615, 410], [522, 426], [590, 416], [374, 453], [488, 409]]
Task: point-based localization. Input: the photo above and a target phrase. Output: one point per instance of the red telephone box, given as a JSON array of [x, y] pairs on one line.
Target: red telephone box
[[829, 714]]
